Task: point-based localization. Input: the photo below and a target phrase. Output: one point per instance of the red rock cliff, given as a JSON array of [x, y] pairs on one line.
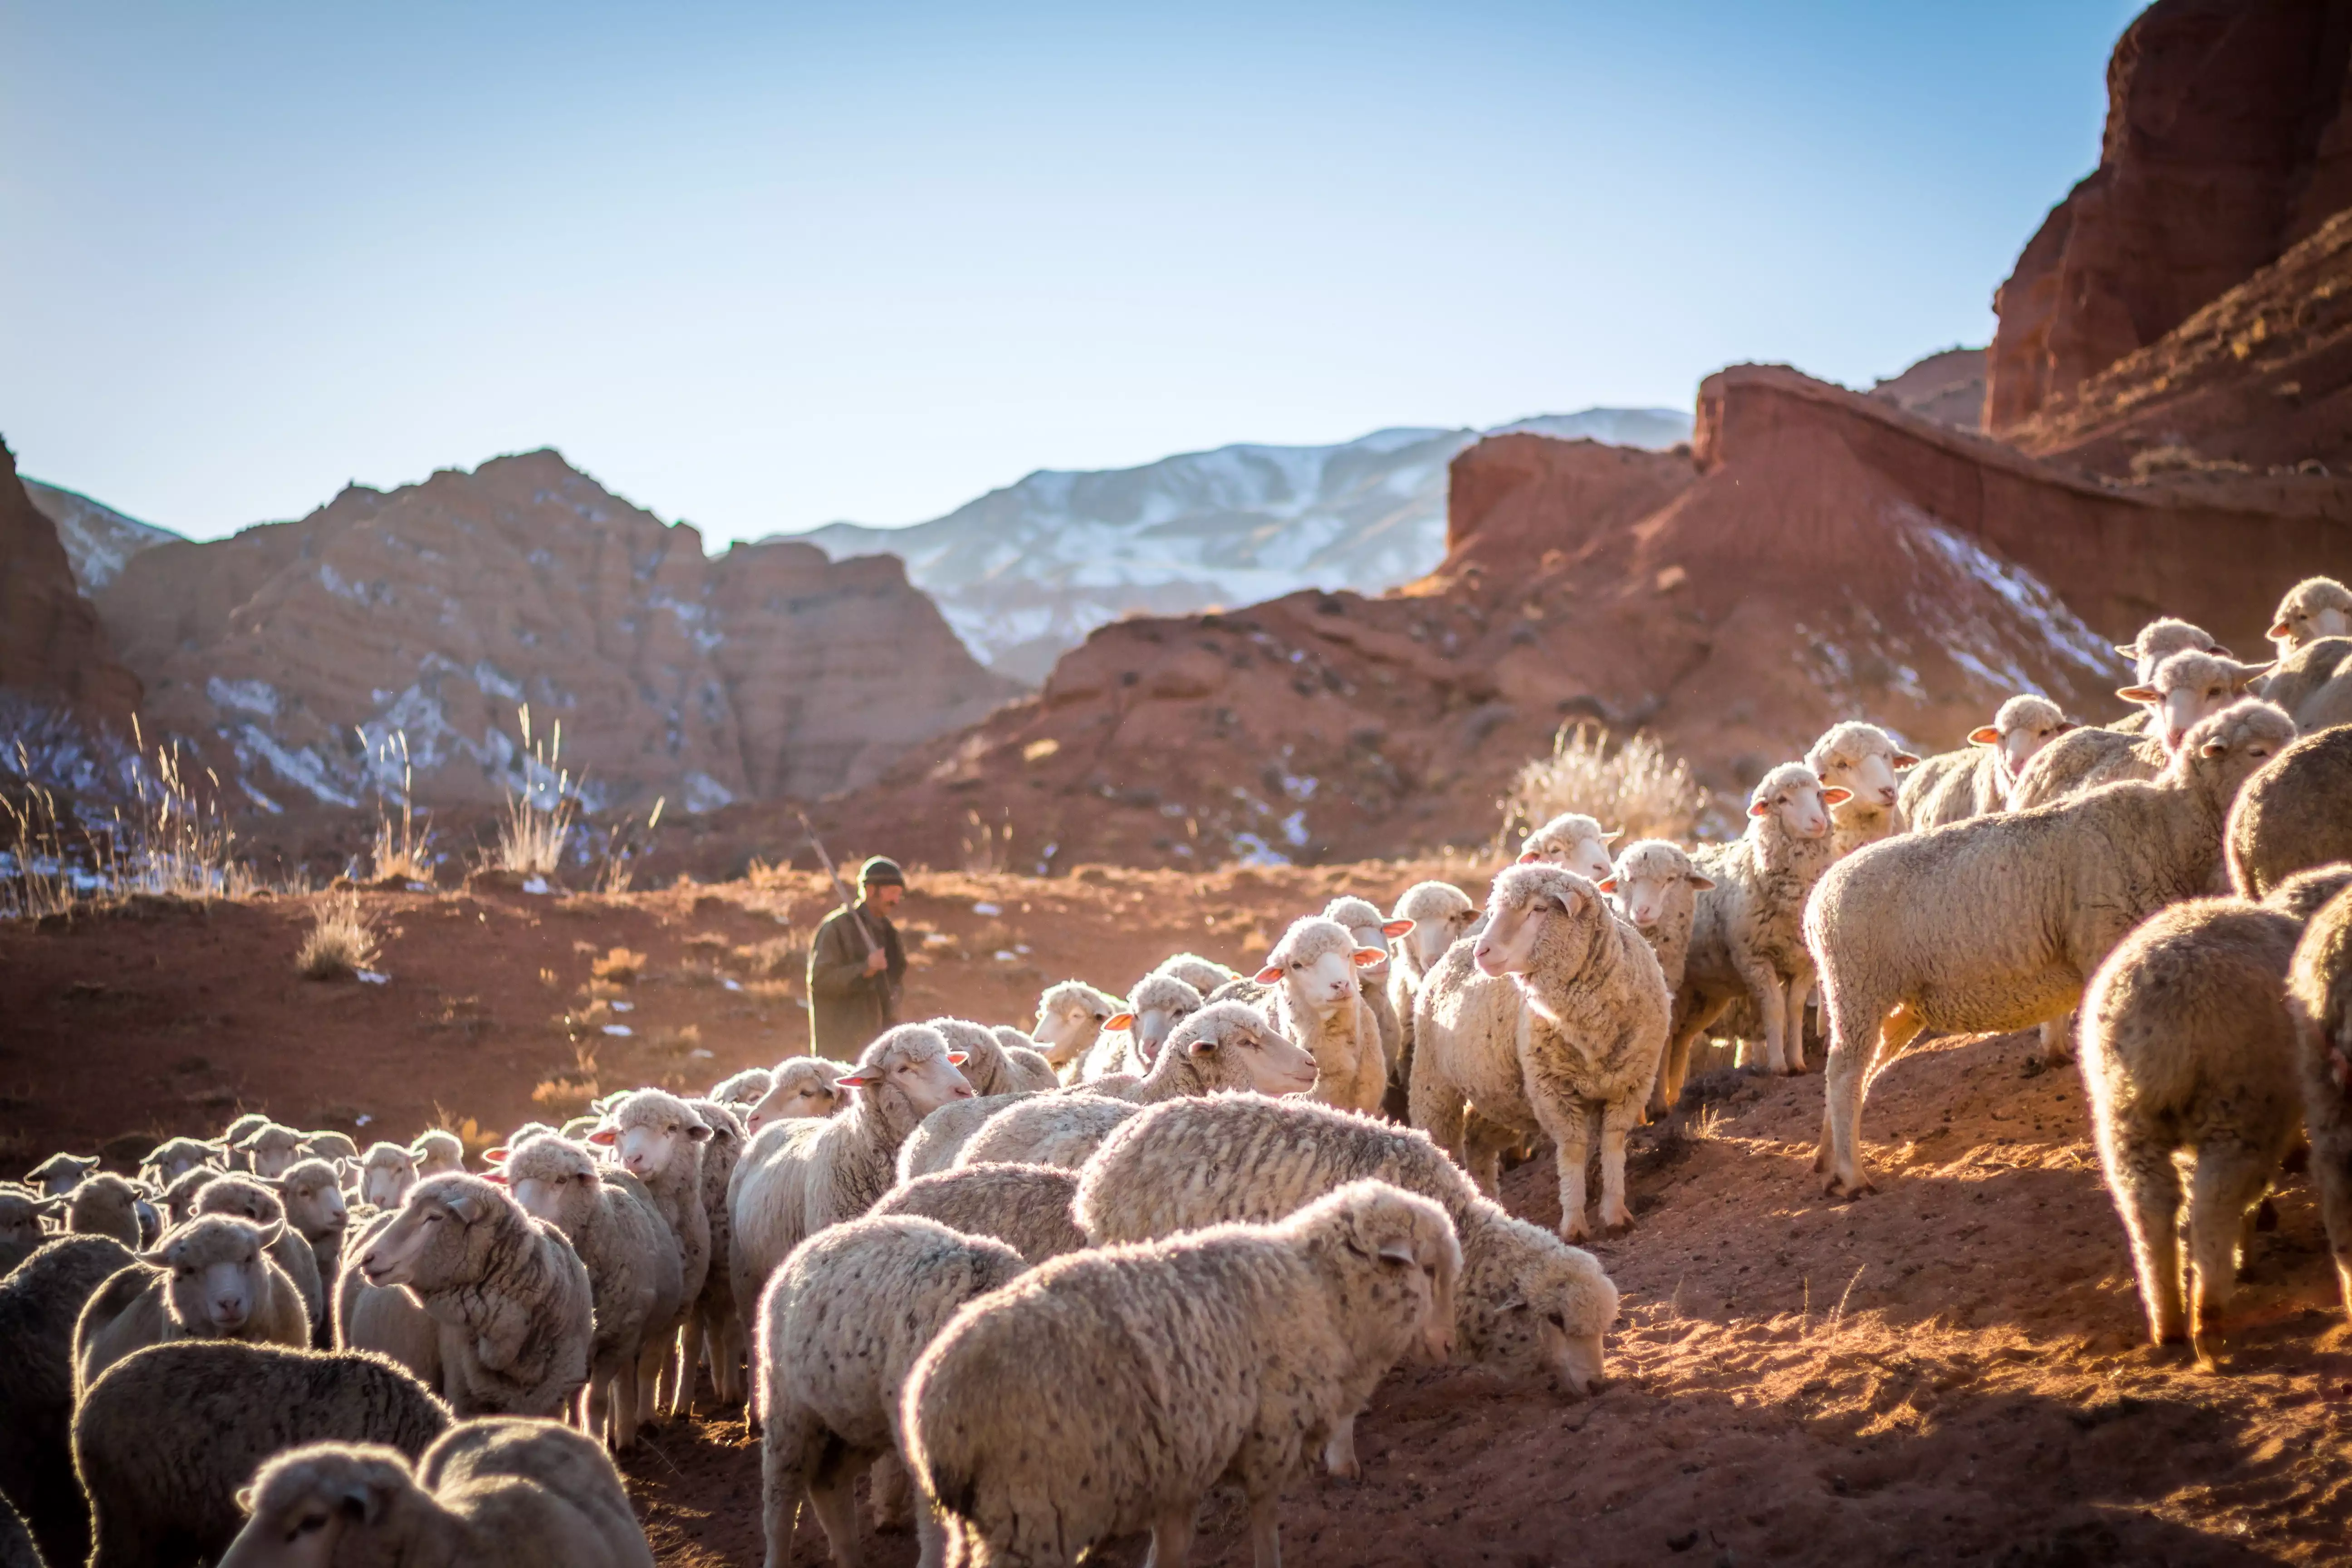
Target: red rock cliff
[[51, 644]]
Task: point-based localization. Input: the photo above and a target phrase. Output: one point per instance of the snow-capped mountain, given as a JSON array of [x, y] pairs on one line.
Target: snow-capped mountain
[[1024, 573], [98, 539]]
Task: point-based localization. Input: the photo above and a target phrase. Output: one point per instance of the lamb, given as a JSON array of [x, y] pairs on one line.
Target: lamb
[[164, 1491], [1572, 841], [1365, 923], [175, 1157], [487, 1494], [1202, 974], [1027, 1060], [2188, 1047], [60, 1174], [1441, 914], [438, 1153], [315, 1207], [1231, 1047], [1587, 1037], [247, 1198], [20, 1226], [1745, 938], [40, 1302], [212, 1279], [797, 1177], [2314, 608], [1157, 1003], [934, 1144], [988, 1067], [660, 1138], [105, 1204], [269, 1148], [744, 1090], [803, 1086], [840, 1327], [1030, 1208], [1655, 887], [1317, 1003], [715, 1325], [2160, 639], [510, 1296], [634, 1278], [2026, 906], [385, 1319], [1070, 1018], [1241, 1351], [179, 1197], [1975, 780], [1862, 760], [237, 1132], [386, 1173], [2320, 1002], [2186, 687], [1531, 1305], [329, 1146], [2294, 814]]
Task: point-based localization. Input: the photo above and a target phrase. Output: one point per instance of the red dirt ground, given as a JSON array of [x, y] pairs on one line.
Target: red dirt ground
[[1950, 1370]]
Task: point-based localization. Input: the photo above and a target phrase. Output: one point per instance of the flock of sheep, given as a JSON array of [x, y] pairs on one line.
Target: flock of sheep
[[1050, 1287]]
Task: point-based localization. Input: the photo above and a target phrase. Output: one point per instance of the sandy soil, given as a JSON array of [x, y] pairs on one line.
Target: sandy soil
[[1950, 1370]]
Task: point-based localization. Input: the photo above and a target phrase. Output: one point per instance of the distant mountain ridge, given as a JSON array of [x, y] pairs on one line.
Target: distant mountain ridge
[[1024, 573], [100, 541]]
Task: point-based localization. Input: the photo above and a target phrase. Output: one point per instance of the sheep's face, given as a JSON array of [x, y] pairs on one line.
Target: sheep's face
[[745, 1090], [919, 1068], [1525, 902], [1588, 857], [2228, 747], [1432, 936], [428, 1241], [176, 1158], [1161, 1003], [2321, 607], [1233, 1041], [438, 1154], [243, 1198], [553, 1180], [1319, 961], [1646, 889], [303, 1505], [1864, 766], [60, 1174], [313, 1195], [20, 1221], [271, 1149], [2159, 641], [1800, 804], [180, 1199], [2019, 732], [388, 1174], [648, 1135], [216, 1271], [1067, 1025], [796, 1094], [329, 1146], [2189, 686]]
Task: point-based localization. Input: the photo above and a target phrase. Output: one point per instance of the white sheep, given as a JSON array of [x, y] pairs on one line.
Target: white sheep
[[713, 1326], [2186, 687], [1747, 939], [840, 1327], [60, 1174], [1975, 780], [1371, 928], [1030, 1208], [797, 1177], [175, 1157], [743, 1089], [1202, 974], [385, 1319], [1573, 842], [801, 1086], [1029, 1063], [1317, 1002], [1530, 1304], [249, 1198], [1655, 888], [1230, 1045], [2313, 684], [2314, 608], [1441, 913], [935, 1143], [387, 1173], [987, 1066], [329, 1146], [2188, 1049], [660, 1138], [2294, 815], [1993, 924], [1132, 1037], [1242, 1351], [2319, 1001], [512, 1297], [1861, 759], [42, 1300], [105, 1204], [20, 1226], [211, 1278], [487, 1494], [1070, 1018], [2160, 639], [269, 1148], [636, 1290], [438, 1152]]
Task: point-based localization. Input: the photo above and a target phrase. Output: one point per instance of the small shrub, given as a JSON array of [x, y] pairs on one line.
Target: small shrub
[[338, 943], [618, 967], [776, 957], [538, 821], [1635, 789]]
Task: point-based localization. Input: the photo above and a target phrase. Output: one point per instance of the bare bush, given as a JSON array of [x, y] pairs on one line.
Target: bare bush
[[538, 821], [400, 850], [338, 943], [1634, 788]]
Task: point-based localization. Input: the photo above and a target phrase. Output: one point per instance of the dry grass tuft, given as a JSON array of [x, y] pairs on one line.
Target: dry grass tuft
[[1635, 789], [339, 943], [401, 849], [618, 967], [778, 957], [538, 821]]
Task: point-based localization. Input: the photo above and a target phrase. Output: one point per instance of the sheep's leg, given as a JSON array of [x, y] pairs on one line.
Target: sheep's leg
[[2147, 1197], [596, 1405], [1765, 989], [2058, 1040], [1265, 1528], [1570, 1123], [890, 1494], [689, 1361], [1618, 1118], [625, 1403], [1439, 1108], [1792, 1027], [1484, 1143], [2230, 1180], [832, 1484], [650, 1359], [784, 1482], [1863, 1033], [730, 1355], [1339, 1452], [931, 1535], [1674, 1068], [1171, 1537]]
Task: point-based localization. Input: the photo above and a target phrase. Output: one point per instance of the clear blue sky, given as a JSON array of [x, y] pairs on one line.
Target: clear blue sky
[[764, 266]]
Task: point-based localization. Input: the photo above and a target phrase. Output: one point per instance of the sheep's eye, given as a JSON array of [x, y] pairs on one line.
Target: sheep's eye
[[1559, 1321], [186, 1273]]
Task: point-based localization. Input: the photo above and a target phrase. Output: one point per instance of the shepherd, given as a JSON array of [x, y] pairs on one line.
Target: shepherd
[[857, 970]]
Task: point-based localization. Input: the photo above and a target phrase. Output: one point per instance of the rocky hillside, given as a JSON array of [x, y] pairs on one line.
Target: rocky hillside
[[1024, 573], [437, 609], [52, 648], [2229, 139], [1947, 388], [98, 539]]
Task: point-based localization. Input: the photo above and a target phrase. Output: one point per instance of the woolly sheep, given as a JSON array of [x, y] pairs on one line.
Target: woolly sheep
[[1654, 887], [1371, 928], [2319, 1001], [1070, 1017], [386, 1173], [1531, 1305], [2186, 687], [1463, 1018], [802, 1086], [743, 1089], [1229, 1047], [179, 1197], [1585, 1040], [1572, 841], [41, 1300], [631, 1255], [59, 1173], [105, 1204], [164, 1491], [487, 1494], [1441, 913], [2160, 639], [1030, 1208], [1243, 1351], [2188, 1049], [714, 1324], [1132, 1037], [2023, 907], [211, 1278], [1029, 1064], [660, 1138], [1975, 780], [2313, 684], [1202, 974], [1861, 759], [248, 1198], [175, 1157], [386, 1319], [438, 1153], [235, 1133], [20, 1226], [2314, 608], [329, 1146], [1747, 939], [840, 1327], [510, 1296], [934, 1143], [2295, 813], [987, 1066], [269, 1148], [315, 1207], [797, 1177], [1317, 1002]]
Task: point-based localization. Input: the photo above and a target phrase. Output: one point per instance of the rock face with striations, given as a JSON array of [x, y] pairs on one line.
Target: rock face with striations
[[2229, 139], [437, 609], [51, 645]]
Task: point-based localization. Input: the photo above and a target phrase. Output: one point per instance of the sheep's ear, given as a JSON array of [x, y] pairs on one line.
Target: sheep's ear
[[1206, 1045], [497, 1156], [245, 1499], [2250, 673], [1365, 957], [466, 1206], [496, 1178], [2213, 749], [1835, 795], [2221, 652], [2139, 693], [1398, 1252], [272, 1232], [1699, 880], [1905, 759], [2128, 651], [1268, 975], [700, 1133], [2281, 630], [2066, 724], [1397, 928], [1759, 808], [605, 1137], [1119, 1021], [1528, 856], [1607, 884], [1984, 735], [856, 1080]]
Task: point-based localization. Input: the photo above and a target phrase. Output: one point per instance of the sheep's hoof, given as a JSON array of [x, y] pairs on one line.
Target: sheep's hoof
[[1617, 1227], [1839, 1186], [1575, 1231], [1820, 1161]]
